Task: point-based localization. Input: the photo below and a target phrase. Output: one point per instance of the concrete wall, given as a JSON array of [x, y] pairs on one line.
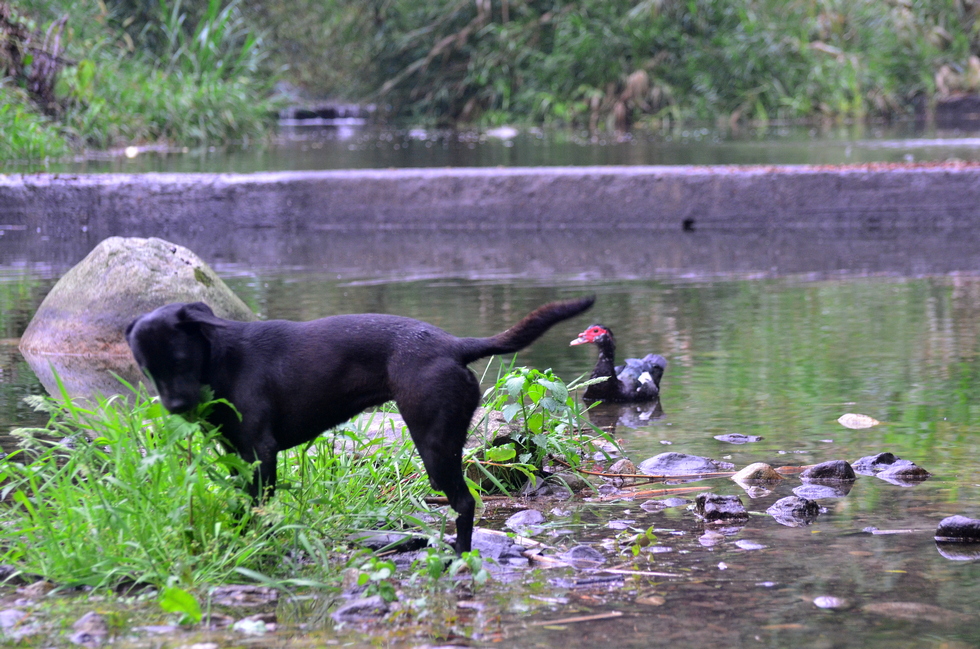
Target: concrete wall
[[596, 221], [874, 198]]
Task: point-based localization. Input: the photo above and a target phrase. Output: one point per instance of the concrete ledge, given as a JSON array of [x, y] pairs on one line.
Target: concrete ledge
[[871, 198], [588, 223]]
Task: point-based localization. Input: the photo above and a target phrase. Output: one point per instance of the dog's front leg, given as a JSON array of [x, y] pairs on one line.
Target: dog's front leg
[[265, 451]]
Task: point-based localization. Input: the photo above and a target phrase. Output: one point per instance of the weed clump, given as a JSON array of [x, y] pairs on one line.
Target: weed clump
[[119, 492]]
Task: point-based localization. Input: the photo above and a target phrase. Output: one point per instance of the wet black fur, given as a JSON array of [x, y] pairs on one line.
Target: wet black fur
[[291, 381]]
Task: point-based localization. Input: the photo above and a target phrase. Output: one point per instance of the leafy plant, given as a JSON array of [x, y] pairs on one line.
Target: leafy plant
[[378, 577], [178, 600], [548, 422]]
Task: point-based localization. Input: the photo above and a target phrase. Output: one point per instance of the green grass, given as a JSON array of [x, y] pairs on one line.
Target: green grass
[[121, 492], [195, 79], [27, 134]]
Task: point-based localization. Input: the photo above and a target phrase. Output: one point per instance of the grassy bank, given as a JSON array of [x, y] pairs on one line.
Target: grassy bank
[[122, 493], [102, 75]]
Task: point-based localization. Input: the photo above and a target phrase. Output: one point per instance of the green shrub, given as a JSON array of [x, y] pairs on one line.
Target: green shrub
[[27, 135]]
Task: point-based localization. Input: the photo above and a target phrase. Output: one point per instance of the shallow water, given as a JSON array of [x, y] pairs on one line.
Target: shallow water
[[344, 146], [780, 357]]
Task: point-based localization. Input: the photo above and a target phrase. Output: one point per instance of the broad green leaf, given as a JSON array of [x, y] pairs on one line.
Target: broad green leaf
[[501, 453], [178, 600]]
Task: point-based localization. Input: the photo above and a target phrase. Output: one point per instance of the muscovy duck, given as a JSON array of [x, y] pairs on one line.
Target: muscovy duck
[[637, 380]]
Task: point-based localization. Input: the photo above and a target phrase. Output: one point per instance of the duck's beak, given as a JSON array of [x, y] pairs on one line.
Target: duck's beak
[[579, 341]]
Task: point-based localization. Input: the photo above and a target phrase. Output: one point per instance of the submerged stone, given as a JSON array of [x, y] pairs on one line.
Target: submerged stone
[[583, 557], [794, 511], [91, 630], [499, 547], [680, 464], [244, 595], [959, 529], [831, 603], [833, 471], [525, 520], [817, 491], [738, 438], [890, 468], [873, 464], [358, 610], [715, 508]]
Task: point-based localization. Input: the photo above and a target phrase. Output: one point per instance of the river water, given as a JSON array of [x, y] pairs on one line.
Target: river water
[[761, 341]]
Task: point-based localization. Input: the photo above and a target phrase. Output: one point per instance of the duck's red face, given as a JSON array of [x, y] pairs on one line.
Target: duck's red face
[[590, 335]]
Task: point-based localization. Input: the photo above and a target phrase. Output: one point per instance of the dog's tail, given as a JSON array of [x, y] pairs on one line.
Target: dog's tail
[[524, 332]]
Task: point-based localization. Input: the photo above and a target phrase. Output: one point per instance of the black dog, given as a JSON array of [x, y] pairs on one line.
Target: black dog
[[291, 381]]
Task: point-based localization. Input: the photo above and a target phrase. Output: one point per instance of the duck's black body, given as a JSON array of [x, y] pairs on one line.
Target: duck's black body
[[635, 381]]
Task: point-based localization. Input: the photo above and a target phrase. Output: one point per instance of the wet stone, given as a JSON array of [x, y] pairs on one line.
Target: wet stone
[[583, 557], [833, 471], [11, 616], [958, 529], [567, 481], [738, 438], [359, 610], [680, 464], [244, 595], [524, 521], [711, 538], [873, 464], [794, 511], [391, 540], [499, 547], [830, 602], [91, 630], [817, 491], [717, 508], [757, 472], [623, 466], [904, 473]]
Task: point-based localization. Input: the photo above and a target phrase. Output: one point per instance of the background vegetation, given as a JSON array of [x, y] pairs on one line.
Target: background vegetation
[[202, 71]]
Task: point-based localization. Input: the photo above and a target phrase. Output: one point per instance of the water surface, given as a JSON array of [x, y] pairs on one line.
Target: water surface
[[781, 357], [343, 146]]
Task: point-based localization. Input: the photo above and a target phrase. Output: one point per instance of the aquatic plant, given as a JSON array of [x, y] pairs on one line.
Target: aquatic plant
[[542, 421]]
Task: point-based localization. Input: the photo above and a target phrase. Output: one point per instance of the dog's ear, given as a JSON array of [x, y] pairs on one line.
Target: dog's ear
[[198, 313]]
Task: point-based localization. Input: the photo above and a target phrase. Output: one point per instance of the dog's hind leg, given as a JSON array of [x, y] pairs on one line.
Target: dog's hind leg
[[439, 421]]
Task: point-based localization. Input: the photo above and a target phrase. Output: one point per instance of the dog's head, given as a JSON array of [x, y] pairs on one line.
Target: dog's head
[[172, 346]]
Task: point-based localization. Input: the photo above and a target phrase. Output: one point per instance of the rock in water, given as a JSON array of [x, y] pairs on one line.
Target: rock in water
[[715, 508], [833, 471], [794, 511], [958, 528], [681, 464], [79, 327]]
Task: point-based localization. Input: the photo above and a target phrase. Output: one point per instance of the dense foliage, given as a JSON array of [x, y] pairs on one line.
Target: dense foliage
[[201, 71], [73, 74], [619, 61]]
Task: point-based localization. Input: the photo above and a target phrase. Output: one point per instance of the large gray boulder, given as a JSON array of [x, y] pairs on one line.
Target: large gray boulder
[[78, 331]]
